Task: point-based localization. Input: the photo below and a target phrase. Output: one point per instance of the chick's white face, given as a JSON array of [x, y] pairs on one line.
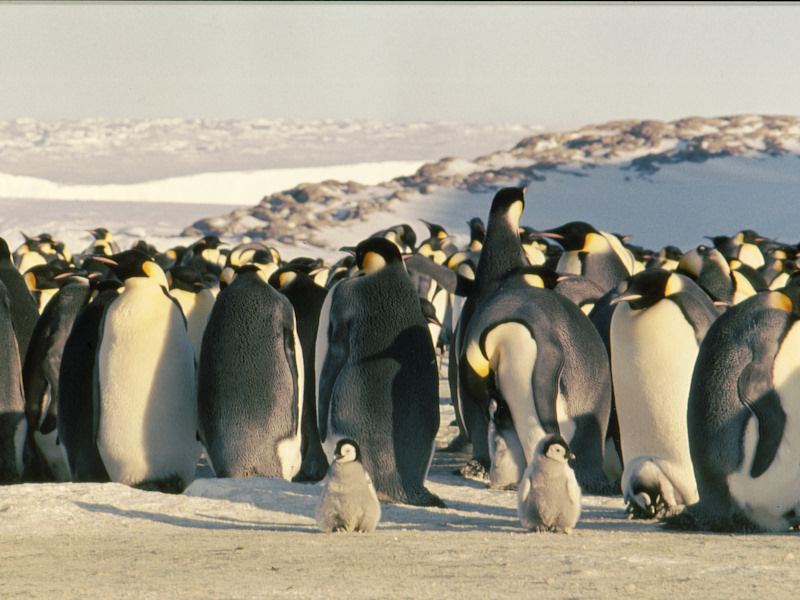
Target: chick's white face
[[557, 452], [346, 453]]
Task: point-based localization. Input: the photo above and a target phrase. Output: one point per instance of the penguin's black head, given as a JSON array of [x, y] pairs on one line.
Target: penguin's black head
[[5, 253], [347, 450], [135, 263], [100, 233], [509, 202], [373, 254], [648, 287], [186, 278], [211, 242], [477, 230], [436, 231], [556, 447], [573, 236]]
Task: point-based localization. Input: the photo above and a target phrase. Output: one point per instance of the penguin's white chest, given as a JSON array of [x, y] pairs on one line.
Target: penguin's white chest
[[777, 491], [653, 352], [146, 375], [570, 263]]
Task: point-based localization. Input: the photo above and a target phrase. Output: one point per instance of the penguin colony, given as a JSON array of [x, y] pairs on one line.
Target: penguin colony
[[578, 363]]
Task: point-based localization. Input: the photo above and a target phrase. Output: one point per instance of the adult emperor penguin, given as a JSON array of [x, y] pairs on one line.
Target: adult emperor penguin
[[549, 497], [349, 502], [145, 392], [501, 253], [377, 377], [196, 300], [589, 252], [744, 419], [76, 416], [46, 460], [708, 267], [657, 326], [250, 381], [536, 351], [24, 311], [307, 298], [13, 425]]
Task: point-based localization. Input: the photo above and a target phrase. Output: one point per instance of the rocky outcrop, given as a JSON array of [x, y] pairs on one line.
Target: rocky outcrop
[[643, 147]]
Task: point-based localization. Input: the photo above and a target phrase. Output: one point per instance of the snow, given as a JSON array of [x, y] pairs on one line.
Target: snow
[[256, 537]]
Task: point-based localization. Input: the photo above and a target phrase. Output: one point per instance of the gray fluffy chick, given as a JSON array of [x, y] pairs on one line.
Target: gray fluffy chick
[[349, 502], [549, 498]]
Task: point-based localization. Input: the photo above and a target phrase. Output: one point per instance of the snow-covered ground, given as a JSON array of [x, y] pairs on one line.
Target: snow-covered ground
[[256, 538]]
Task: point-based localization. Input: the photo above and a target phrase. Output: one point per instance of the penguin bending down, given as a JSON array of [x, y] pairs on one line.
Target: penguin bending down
[[377, 377], [657, 326], [250, 381], [145, 392], [549, 498], [349, 501], [744, 419], [536, 351], [13, 425]]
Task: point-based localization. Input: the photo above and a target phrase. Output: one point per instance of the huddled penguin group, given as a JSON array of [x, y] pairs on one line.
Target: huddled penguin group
[[577, 363]]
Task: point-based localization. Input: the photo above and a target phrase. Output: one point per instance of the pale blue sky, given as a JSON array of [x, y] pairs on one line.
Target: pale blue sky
[[554, 64]]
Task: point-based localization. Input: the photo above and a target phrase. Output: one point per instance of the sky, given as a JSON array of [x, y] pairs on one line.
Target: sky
[[555, 64]]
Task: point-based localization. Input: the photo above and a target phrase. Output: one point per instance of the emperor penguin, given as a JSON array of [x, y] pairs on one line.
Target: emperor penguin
[[709, 268], [502, 253], [76, 418], [349, 502], [250, 381], [103, 242], [196, 300], [46, 460], [657, 326], [145, 393], [13, 425], [403, 235], [744, 419], [24, 310], [536, 351], [549, 497], [377, 377], [592, 253], [307, 298], [743, 246]]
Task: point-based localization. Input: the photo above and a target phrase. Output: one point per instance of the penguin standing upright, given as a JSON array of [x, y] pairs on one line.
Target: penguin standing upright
[[656, 329], [76, 418], [549, 498], [501, 253], [40, 371], [744, 419], [196, 300], [250, 381], [349, 502], [307, 299], [145, 392], [24, 311], [13, 425], [589, 252], [377, 377]]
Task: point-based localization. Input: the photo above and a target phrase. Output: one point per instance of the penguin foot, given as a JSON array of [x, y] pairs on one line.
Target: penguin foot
[[474, 469], [168, 485], [641, 506], [457, 444]]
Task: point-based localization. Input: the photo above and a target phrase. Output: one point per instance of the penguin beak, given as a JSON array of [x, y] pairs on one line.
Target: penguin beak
[[626, 298]]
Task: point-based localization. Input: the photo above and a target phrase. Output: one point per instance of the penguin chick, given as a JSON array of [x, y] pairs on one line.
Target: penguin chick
[[549, 498], [349, 501]]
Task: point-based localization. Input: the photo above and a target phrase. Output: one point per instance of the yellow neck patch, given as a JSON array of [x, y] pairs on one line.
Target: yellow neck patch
[[372, 262]]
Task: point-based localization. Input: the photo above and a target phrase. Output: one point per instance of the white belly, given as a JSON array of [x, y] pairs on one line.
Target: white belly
[[652, 358], [148, 411], [777, 490]]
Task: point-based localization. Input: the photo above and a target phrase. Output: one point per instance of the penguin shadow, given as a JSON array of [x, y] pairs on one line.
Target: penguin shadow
[[214, 522]]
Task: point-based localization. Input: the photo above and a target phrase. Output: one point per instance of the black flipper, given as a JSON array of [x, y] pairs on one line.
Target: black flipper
[[546, 381], [757, 394]]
